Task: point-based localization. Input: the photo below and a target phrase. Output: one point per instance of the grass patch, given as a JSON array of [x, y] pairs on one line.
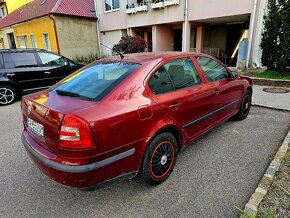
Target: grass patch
[[269, 74]]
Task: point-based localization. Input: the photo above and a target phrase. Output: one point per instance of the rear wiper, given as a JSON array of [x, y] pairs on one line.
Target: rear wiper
[[72, 94]]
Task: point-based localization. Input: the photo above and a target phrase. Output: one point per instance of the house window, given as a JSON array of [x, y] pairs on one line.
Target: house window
[[2, 12], [22, 41], [33, 41], [111, 5], [46, 41]]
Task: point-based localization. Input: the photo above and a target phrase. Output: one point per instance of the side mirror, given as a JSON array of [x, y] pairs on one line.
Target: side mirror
[[234, 75]]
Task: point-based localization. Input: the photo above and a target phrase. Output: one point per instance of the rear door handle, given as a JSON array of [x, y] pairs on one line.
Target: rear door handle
[[10, 74], [174, 105], [47, 72], [216, 92]]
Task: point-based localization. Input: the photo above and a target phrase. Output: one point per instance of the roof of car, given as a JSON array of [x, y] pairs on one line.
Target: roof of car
[[39, 8], [141, 58]]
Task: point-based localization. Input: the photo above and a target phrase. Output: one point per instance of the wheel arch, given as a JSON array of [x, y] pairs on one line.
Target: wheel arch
[[11, 84]]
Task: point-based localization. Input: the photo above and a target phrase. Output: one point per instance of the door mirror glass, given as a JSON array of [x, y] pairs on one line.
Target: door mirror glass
[[234, 75]]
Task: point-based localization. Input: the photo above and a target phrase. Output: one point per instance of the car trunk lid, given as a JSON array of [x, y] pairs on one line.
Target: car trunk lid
[[43, 113]]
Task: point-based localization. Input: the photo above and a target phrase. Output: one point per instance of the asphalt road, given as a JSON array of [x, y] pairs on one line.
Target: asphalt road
[[216, 172]]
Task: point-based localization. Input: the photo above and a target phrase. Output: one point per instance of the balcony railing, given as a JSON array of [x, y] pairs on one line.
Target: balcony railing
[[157, 4], [133, 8], [171, 2]]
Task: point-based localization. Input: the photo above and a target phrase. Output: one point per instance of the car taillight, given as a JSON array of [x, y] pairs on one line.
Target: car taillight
[[75, 133]]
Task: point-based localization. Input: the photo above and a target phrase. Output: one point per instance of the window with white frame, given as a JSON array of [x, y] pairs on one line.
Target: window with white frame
[[33, 41], [22, 41], [111, 5], [46, 41]]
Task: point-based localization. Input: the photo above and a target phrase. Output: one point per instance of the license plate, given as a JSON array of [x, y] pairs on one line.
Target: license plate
[[35, 127]]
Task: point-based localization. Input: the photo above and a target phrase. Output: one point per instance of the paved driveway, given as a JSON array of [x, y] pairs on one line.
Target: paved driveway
[[216, 172]]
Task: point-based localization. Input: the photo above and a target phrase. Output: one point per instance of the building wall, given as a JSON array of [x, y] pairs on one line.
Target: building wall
[[205, 9], [170, 14], [109, 39], [114, 20], [3, 37], [14, 4], [37, 27], [163, 38], [77, 36]]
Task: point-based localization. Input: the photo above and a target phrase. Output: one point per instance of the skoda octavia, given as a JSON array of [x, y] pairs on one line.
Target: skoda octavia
[[122, 116]]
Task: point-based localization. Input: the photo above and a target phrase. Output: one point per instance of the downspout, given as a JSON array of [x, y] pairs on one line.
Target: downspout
[[253, 21], [55, 32], [98, 28], [185, 25]]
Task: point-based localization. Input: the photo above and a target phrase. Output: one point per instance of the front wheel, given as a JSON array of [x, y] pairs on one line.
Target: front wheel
[[159, 159], [7, 95], [245, 106]]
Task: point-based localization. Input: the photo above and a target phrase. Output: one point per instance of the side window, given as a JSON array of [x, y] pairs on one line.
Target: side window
[[182, 73], [160, 82], [213, 70], [176, 74], [16, 60], [51, 60]]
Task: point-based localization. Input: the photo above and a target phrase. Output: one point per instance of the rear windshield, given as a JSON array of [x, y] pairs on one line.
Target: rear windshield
[[95, 82]]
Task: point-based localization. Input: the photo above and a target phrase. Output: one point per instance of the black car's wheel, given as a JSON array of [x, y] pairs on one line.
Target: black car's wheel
[[159, 159], [7, 95], [245, 106]]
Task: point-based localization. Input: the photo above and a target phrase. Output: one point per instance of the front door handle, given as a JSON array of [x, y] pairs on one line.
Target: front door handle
[[10, 74], [174, 105], [47, 72], [216, 92]]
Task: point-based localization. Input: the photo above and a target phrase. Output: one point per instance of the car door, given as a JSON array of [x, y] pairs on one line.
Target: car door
[[227, 93], [24, 70], [178, 88], [55, 66]]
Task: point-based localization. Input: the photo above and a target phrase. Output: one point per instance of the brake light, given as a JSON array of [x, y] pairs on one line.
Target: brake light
[[75, 133]]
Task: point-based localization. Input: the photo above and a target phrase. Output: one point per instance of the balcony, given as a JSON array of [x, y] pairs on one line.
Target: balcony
[[171, 2], [141, 8], [136, 6], [159, 4]]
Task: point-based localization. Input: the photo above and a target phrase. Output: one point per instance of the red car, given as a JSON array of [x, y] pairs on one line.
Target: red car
[[116, 118]]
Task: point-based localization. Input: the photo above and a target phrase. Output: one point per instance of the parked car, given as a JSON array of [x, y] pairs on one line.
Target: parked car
[[116, 118], [24, 71]]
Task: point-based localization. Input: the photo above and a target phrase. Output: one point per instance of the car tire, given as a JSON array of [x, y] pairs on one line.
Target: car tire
[[7, 95], [245, 106], [159, 159]]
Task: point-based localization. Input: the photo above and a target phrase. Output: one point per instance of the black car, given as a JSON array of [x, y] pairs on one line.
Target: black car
[[24, 71]]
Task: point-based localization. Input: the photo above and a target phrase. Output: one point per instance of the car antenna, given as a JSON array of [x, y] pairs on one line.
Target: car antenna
[[119, 53]]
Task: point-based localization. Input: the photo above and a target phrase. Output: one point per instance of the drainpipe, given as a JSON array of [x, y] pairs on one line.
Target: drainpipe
[[55, 31], [253, 21], [98, 28], [185, 25]]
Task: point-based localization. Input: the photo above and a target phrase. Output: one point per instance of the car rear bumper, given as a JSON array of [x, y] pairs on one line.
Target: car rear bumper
[[80, 176]]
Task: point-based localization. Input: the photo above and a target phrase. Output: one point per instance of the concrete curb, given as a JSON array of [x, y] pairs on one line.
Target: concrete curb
[[271, 107], [266, 181], [271, 82]]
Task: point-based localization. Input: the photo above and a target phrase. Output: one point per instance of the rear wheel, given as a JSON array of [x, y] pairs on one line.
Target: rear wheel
[[245, 106], [7, 95], [159, 159]]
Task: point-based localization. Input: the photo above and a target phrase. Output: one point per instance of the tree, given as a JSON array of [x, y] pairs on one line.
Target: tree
[[276, 37], [129, 44]]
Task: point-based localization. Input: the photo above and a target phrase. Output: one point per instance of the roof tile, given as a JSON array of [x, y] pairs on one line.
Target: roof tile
[[39, 8]]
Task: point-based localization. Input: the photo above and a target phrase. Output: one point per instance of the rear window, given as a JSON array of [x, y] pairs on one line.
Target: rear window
[[96, 82], [16, 60]]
